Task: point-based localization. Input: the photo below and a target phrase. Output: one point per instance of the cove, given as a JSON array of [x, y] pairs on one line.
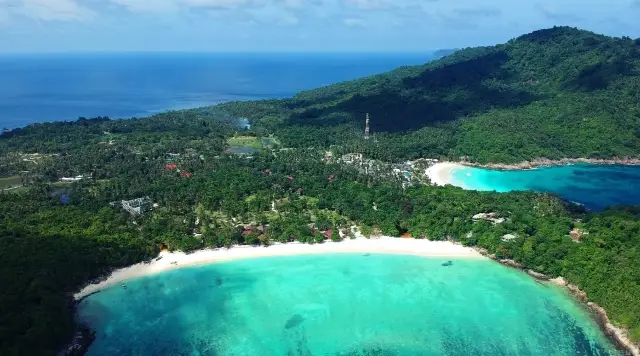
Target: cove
[[594, 186], [341, 304]]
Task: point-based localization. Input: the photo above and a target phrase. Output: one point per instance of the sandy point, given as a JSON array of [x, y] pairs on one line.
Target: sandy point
[[167, 261], [442, 173]]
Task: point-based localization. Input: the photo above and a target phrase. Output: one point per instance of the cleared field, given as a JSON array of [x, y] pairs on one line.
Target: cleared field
[[10, 182], [245, 141]]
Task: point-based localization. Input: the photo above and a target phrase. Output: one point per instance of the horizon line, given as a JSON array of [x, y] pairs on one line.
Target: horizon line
[[426, 51]]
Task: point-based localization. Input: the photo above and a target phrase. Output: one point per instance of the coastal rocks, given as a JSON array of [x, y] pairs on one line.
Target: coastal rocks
[[544, 162], [511, 263], [560, 281], [576, 292], [484, 252], [618, 335], [538, 275]]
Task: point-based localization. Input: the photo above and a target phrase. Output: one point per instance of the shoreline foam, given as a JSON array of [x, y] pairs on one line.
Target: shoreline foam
[[168, 261]]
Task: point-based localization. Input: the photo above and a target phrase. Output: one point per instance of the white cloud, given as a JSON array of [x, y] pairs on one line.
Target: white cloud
[[354, 22], [49, 10]]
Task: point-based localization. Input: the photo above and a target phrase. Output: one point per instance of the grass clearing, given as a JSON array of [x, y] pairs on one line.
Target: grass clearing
[[245, 141], [10, 182]]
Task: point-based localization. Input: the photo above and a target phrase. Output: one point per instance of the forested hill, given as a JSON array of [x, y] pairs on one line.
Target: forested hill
[[553, 93]]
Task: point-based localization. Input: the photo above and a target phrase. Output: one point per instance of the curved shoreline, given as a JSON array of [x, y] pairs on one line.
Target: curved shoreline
[[544, 162], [441, 173], [618, 335], [168, 261]]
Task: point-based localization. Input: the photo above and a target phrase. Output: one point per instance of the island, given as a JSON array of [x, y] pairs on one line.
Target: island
[[82, 199]]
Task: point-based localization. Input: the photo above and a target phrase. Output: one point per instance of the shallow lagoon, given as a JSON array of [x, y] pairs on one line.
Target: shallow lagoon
[[341, 305], [595, 186]]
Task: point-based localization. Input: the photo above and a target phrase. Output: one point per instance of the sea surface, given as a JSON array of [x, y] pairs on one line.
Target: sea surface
[[338, 304], [594, 186], [55, 87]]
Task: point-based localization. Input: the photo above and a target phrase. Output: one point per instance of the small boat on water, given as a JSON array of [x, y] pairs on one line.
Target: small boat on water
[[447, 264]]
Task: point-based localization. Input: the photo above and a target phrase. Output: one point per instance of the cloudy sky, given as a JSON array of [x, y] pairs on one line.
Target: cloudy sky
[[295, 25]]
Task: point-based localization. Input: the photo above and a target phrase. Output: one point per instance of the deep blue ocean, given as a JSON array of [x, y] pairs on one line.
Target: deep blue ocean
[[54, 87]]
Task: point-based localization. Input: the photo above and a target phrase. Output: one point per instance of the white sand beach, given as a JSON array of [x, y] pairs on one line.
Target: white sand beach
[[383, 245], [442, 173]]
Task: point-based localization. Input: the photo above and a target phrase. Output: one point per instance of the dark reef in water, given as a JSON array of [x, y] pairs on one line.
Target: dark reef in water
[[369, 351], [294, 321]]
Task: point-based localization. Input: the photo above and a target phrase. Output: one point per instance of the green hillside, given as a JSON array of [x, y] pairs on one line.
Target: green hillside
[[554, 93]]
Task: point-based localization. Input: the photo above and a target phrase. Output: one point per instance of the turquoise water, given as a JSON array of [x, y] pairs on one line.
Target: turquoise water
[[595, 186], [341, 305]]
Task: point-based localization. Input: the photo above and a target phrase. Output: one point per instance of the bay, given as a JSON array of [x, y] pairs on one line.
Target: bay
[[341, 305], [594, 186]]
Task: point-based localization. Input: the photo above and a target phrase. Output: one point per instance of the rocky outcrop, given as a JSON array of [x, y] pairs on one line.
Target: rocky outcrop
[[576, 292], [484, 252], [538, 275], [560, 281], [618, 335], [511, 263], [544, 162]]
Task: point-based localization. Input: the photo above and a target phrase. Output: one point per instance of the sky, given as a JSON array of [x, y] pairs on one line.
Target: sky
[[295, 25]]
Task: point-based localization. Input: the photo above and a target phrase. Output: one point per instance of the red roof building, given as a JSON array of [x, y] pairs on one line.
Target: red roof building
[[171, 167]]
